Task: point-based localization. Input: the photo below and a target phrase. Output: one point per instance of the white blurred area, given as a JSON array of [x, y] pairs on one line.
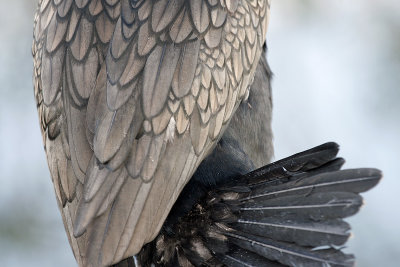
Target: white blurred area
[[337, 78]]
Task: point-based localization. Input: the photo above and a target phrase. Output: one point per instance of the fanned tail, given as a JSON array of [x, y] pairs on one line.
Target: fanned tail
[[287, 213]]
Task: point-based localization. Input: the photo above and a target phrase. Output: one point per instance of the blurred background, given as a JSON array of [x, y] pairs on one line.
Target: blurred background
[[337, 78]]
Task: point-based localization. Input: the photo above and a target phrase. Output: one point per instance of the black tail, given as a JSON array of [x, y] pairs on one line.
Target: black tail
[[287, 213]]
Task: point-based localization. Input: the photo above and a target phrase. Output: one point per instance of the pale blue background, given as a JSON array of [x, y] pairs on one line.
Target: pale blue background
[[337, 78]]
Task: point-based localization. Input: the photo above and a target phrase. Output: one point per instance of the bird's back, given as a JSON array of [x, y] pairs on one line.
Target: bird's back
[[132, 96]]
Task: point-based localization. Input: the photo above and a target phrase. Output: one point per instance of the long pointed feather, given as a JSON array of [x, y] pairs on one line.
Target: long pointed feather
[[355, 180], [316, 206], [303, 161], [240, 257], [285, 175], [290, 254], [327, 233]]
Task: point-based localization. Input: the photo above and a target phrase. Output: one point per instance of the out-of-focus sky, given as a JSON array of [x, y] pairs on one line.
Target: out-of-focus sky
[[337, 78]]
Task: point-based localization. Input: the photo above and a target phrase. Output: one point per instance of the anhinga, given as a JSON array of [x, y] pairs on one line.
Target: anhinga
[[137, 97]]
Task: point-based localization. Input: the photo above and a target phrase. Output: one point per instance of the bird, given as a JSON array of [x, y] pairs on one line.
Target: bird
[[156, 123]]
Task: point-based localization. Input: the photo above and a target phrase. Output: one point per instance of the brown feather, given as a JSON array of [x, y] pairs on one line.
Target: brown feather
[[133, 67], [81, 3], [55, 33], [164, 11], [112, 129], [181, 28], [74, 19], [157, 77], [52, 67], [213, 37], [200, 15], [64, 8], [218, 17], [95, 7], [104, 27], [146, 41], [85, 74], [82, 40], [185, 71], [78, 145]]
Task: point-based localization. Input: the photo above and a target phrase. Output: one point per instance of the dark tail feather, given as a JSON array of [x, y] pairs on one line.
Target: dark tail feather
[[239, 257], [289, 254], [300, 162], [287, 213]]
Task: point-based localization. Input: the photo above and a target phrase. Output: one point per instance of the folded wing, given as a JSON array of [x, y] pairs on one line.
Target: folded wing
[[132, 95]]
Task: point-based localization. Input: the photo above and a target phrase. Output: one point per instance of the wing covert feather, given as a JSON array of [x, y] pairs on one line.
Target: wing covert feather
[[131, 96]]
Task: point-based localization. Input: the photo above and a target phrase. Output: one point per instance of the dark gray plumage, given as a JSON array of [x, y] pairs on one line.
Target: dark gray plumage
[[288, 213]]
